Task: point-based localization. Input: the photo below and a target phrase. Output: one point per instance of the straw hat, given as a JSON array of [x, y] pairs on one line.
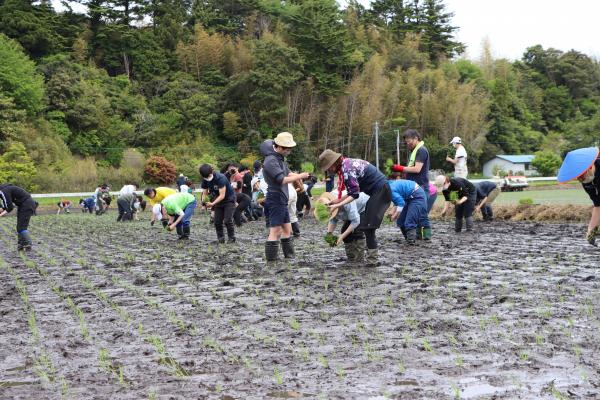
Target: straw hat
[[327, 159], [326, 199], [284, 139]]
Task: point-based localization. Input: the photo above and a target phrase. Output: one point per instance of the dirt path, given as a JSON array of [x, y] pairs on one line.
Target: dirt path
[[128, 312]]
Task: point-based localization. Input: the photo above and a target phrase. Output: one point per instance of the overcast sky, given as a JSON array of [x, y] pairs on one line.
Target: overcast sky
[[514, 25]]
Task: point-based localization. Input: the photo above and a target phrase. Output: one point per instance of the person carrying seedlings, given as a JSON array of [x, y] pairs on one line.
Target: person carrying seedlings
[[277, 176], [460, 158], [356, 176], [349, 215], [584, 165], [11, 196], [63, 205], [216, 187], [463, 195], [156, 195], [486, 194], [180, 208], [88, 204], [410, 208]]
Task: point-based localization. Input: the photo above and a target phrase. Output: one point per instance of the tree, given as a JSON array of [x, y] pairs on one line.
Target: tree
[[159, 170], [16, 167], [546, 162], [224, 16], [437, 32], [19, 80]]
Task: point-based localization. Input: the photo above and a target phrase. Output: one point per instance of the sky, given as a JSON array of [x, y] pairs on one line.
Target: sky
[[513, 25]]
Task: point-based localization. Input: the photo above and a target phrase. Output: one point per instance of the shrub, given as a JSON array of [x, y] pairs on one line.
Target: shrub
[[16, 167], [526, 201], [159, 170], [546, 162]]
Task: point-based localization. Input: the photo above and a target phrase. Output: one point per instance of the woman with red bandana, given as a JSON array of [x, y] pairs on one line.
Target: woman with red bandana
[[356, 176]]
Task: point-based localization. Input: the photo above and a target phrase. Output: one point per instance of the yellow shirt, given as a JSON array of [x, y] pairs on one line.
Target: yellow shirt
[[161, 193]]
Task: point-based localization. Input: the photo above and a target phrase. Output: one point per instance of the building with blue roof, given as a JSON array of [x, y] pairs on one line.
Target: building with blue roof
[[518, 164]]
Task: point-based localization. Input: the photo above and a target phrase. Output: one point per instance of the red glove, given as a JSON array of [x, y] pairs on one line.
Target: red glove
[[397, 168]]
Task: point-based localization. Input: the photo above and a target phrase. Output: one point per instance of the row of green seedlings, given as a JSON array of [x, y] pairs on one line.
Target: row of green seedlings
[[104, 357], [43, 366], [164, 356], [257, 335]]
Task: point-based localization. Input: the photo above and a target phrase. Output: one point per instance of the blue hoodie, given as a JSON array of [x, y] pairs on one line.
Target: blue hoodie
[[275, 169], [401, 190]]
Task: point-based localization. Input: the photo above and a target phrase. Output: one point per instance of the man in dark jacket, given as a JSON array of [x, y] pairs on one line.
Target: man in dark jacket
[[277, 175], [11, 196], [486, 194]]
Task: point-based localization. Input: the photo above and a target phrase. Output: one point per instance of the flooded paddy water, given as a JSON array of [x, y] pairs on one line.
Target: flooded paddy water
[[105, 310]]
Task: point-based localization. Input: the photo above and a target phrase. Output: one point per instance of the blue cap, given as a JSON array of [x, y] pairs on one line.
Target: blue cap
[[576, 163]]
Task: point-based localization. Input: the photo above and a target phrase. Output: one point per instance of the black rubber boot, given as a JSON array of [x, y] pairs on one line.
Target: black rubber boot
[[230, 230], [411, 237], [179, 229], [231, 239], [296, 229], [287, 245], [457, 225], [24, 242], [469, 224], [403, 232], [186, 232], [271, 250]]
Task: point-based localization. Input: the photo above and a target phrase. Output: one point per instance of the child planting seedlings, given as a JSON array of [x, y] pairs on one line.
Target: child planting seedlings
[[11, 196], [216, 187], [410, 209], [584, 165], [180, 208], [277, 176], [349, 215], [356, 176], [463, 195]]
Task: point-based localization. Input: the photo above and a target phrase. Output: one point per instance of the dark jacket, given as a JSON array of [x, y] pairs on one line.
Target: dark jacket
[[463, 187], [275, 169], [11, 195], [484, 189], [593, 188]]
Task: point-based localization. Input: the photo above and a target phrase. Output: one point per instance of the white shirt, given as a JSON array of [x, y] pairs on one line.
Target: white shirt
[[461, 156], [127, 189]]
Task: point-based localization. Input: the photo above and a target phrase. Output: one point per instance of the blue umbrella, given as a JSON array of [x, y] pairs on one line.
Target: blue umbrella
[[576, 163]]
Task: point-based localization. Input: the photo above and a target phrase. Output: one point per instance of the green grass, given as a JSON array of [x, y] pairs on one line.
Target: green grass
[[551, 196]]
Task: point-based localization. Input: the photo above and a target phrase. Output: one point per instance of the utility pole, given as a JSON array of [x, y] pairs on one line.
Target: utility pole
[[398, 145], [377, 144]]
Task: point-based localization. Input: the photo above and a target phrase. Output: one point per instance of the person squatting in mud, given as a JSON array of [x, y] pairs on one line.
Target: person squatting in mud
[[277, 176], [410, 209], [349, 214], [463, 195], [584, 165], [11, 196], [217, 189], [356, 176], [486, 194], [156, 195], [64, 205], [180, 208]]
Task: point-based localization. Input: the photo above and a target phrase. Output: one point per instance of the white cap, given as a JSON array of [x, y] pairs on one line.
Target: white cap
[[455, 140]]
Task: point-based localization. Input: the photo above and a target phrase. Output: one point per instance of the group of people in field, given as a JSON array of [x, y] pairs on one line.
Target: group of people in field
[[363, 197]]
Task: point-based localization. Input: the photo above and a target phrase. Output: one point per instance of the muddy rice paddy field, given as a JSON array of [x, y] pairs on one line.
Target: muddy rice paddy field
[[102, 310]]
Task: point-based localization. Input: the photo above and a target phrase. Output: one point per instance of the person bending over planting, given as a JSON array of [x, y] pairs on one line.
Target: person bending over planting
[[126, 205], [180, 207], [356, 176], [277, 176], [11, 196], [349, 215], [463, 195], [486, 194], [156, 195], [216, 187], [63, 205], [584, 165], [88, 204], [410, 208]]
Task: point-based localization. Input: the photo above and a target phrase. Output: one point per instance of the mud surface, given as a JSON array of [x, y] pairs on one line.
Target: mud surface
[[103, 310]]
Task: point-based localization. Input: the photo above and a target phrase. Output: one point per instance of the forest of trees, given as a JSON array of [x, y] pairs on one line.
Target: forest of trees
[[86, 97]]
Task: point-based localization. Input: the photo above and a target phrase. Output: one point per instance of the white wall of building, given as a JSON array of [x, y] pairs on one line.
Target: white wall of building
[[505, 165]]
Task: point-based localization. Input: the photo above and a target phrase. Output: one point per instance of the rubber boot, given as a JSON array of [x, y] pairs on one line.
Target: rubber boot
[[469, 224], [403, 232], [220, 233], [360, 247], [179, 229], [296, 229], [186, 232], [271, 250], [350, 249], [230, 231], [372, 258], [419, 233], [24, 241], [411, 237], [457, 225], [427, 233], [287, 245]]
